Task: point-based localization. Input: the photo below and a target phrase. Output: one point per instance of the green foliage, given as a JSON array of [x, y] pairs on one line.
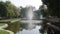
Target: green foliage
[[4, 32], [53, 7], [1, 24], [8, 10], [16, 11], [2, 9], [43, 11]]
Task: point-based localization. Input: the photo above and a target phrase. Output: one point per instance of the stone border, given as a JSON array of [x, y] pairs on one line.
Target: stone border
[[4, 26], [8, 31]]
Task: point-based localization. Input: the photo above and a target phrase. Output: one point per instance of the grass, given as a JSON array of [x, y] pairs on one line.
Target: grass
[[1, 24], [9, 20], [4, 32]]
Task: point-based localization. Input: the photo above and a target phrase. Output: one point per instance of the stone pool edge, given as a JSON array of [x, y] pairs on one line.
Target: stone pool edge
[[4, 26]]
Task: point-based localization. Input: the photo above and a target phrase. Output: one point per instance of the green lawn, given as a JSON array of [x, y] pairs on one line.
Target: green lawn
[[1, 24], [4, 32], [9, 20]]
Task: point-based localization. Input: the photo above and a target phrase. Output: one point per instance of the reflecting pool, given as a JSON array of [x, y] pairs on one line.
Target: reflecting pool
[[25, 27]]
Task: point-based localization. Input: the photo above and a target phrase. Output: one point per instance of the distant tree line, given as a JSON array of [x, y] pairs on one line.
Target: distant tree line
[[23, 12]]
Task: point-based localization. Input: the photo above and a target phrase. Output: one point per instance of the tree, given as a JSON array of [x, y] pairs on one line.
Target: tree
[[43, 10], [53, 7], [23, 12], [8, 10], [16, 11], [2, 9]]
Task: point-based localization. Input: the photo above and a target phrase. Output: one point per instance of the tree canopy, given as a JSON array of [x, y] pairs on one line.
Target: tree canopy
[[53, 7], [8, 10]]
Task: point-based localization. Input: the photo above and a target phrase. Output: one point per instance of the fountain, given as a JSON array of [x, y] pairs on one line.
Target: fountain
[[29, 24], [30, 15]]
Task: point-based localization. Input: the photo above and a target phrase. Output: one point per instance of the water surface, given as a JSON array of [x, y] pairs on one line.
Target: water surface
[[28, 27]]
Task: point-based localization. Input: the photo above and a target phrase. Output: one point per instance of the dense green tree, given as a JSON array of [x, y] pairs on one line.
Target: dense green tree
[[8, 10], [54, 11], [43, 10], [2, 9], [53, 7], [16, 11]]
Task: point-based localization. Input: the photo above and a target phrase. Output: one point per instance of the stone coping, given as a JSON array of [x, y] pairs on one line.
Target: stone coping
[[4, 26]]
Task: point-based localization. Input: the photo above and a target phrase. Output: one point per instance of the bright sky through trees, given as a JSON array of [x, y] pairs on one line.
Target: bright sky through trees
[[23, 3]]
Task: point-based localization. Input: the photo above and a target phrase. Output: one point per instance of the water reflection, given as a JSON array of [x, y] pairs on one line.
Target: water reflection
[[29, 27], [15, 27], [25, 27], [33, 31]]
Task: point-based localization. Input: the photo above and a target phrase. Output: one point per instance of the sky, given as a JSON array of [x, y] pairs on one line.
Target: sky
[[24, 3]]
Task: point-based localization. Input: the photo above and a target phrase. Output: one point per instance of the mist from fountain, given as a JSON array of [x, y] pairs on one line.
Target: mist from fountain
[[30, 14]]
